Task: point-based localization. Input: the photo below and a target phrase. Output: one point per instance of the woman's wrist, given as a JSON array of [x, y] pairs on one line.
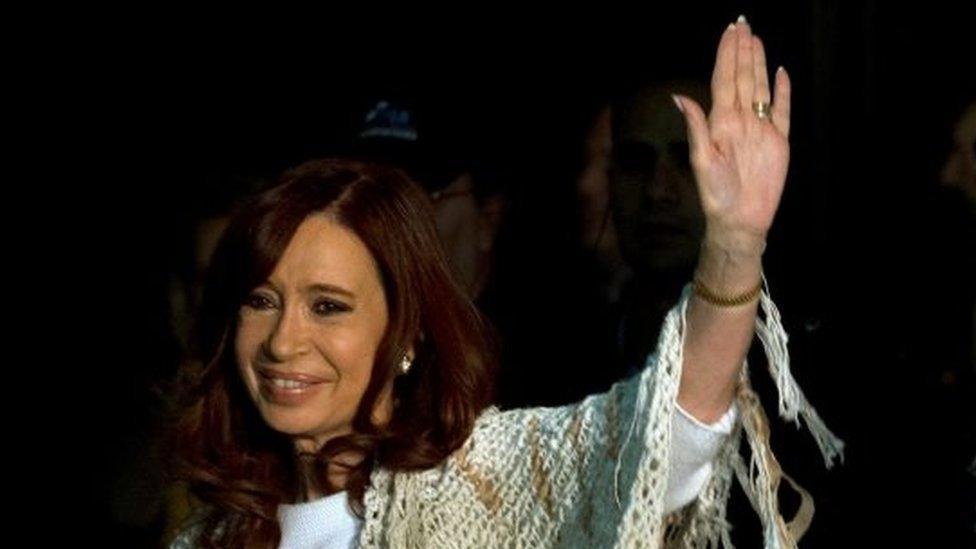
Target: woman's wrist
[[738, 243], [730, 264]]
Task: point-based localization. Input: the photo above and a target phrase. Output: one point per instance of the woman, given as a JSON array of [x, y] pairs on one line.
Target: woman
[[343, 364]]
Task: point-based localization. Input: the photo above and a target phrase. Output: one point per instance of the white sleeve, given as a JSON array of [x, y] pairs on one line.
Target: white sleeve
[[694, 445]]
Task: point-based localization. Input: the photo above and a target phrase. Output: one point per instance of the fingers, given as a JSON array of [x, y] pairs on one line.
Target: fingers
[[741, 77], [781, 103], [723, 76], [745, 76], [761, 92], [699, 143]]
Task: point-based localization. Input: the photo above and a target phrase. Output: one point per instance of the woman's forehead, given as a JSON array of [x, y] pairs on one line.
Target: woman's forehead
[[324, 252]]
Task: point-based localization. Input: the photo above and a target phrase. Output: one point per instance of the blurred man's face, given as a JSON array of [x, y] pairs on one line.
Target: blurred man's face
[[960, 168], [652, 190]]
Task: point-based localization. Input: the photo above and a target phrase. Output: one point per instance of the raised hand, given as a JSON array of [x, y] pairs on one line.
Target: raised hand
[[740, 152]]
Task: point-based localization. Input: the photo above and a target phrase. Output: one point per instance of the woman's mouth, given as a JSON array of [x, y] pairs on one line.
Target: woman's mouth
[[288, 389]]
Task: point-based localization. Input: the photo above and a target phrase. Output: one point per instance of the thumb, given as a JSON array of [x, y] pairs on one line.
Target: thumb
[[699, 143]]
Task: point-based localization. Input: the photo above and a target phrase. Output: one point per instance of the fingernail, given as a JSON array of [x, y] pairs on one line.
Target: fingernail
[[731, 27], [741, 19], [677, 102]]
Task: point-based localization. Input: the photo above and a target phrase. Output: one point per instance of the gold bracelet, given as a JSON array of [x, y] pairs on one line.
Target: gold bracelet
[[723, 301]]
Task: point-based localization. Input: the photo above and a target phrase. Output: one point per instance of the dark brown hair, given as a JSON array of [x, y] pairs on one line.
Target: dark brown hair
[[231, 460]]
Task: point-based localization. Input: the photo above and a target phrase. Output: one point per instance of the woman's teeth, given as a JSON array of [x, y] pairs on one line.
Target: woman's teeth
[[289, 384]]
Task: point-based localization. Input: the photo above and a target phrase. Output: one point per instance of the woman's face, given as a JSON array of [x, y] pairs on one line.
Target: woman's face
[[307, 337]]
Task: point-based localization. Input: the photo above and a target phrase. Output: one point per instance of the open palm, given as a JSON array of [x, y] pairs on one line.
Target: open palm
[[740, 159]]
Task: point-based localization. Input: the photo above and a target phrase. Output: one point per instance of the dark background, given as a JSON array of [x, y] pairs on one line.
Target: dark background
[[870, 264]]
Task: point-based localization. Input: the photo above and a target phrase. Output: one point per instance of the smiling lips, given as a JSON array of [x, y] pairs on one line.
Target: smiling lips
[[304, 379], [289, 389]]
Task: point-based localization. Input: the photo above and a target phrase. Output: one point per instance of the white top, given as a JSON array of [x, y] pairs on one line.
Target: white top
[[328, 523], [325, 523]]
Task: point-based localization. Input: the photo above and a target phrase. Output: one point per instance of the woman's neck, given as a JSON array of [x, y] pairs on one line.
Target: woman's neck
[[309, 488], [307, 447]]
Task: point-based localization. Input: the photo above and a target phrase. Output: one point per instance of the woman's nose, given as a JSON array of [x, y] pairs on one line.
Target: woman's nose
[[288, 339]]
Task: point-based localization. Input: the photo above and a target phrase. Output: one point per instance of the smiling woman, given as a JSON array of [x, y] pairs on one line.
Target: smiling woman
[[333, 330], [306, 338], [325, 290]]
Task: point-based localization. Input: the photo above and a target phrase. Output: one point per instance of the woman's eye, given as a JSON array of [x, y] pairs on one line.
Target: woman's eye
[[328, 307], [258, 302]]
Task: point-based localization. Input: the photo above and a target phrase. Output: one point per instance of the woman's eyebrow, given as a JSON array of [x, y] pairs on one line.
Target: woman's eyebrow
[[329, 288]]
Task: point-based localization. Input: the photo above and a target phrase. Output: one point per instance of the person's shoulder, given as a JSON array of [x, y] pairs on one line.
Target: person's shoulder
[[505, 428], [497, 425], [502, 437], [495, 452]]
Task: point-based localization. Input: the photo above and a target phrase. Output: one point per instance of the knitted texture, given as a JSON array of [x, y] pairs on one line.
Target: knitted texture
[[594, 473], [591, 474]]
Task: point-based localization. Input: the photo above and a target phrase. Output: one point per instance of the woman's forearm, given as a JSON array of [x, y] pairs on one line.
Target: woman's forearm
[[717, 337]]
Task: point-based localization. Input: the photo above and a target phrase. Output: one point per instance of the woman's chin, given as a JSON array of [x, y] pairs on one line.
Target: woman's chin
[[287, 422], [299, 427]]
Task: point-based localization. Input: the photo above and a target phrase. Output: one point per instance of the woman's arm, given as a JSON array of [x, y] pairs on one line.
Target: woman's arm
[[739, 155], [599, 472], [718, 337]]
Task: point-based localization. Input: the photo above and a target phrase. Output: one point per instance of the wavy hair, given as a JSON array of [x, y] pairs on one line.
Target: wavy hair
[[240, 468]]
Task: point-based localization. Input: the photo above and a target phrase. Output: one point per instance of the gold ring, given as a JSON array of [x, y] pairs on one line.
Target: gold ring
[[761, 108]]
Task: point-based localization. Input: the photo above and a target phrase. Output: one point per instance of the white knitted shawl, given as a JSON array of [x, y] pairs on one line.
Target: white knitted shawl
[[593, 474]]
